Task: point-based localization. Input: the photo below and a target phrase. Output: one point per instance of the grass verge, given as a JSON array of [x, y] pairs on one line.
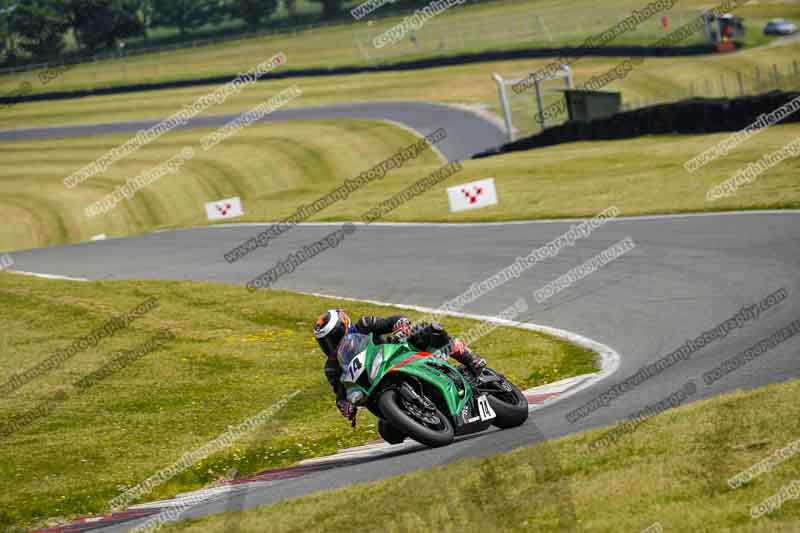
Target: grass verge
[[274, 169], [494, 26], [672, 471], [655, 79], [640, 176], [235, 354], [271, 167]]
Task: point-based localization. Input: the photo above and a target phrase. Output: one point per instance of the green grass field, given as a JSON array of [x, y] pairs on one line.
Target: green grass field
[[269, 167], [235, 354], [656, 79], [276, 168], [494, 26], [672, 470], [640, 176]]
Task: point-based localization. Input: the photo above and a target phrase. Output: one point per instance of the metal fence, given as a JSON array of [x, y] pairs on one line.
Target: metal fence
[[757, 80], [522, 107]]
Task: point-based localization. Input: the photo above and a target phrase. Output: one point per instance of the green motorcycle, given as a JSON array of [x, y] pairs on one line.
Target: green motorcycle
[[419, 395]]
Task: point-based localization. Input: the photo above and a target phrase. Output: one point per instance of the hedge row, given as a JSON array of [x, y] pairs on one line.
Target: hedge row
[[697, 115]]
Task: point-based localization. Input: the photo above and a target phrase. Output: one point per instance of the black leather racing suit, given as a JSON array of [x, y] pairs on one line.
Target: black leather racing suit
[[424, 336]]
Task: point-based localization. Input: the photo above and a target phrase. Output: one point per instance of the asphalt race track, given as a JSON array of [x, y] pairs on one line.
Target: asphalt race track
[[468, 133], [687, 274]]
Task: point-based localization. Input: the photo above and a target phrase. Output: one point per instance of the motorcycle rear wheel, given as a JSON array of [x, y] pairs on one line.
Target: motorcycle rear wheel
[[434, 435]]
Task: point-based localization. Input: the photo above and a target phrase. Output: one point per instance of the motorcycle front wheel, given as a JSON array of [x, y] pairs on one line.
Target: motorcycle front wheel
[[431, 428], [508, 402], [389, 433]]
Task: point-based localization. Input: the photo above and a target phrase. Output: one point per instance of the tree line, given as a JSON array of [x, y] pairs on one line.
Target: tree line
[[38, 28]]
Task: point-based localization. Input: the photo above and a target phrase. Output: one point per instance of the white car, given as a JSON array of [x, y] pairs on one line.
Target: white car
[[779, 27]]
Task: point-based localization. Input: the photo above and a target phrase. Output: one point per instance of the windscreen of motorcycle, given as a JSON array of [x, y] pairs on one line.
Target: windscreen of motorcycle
[[351, 347]]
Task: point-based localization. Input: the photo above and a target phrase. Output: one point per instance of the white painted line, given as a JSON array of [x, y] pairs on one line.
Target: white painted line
[[632, 218], [563, 388], [559, 386], [358, 451], [205, 495], [317, 460], [210, 491], [149, 505], [585, 381], [377, 450], [46, 276], [365, 447], [609, 358]]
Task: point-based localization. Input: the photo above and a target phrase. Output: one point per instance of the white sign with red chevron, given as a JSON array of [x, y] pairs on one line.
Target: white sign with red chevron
[[473, 195], [222, 209]]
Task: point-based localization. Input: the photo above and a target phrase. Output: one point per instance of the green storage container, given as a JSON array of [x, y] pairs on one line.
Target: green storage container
[[584, 105]]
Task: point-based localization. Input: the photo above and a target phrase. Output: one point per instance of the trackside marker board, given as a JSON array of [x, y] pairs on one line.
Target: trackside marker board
[[223, 209], [472, 195]]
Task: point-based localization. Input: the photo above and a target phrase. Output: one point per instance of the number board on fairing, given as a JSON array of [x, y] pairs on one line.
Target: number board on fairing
[[355, 368]]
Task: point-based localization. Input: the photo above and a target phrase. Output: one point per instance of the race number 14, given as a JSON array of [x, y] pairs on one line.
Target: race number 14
[[485, 410]]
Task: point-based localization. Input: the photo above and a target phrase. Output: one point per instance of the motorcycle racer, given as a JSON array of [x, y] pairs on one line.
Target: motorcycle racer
[[332, 326]]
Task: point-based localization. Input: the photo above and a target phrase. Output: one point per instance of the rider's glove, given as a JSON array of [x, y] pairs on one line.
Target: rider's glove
[[458, 348], [347, 409], [402, 329]]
